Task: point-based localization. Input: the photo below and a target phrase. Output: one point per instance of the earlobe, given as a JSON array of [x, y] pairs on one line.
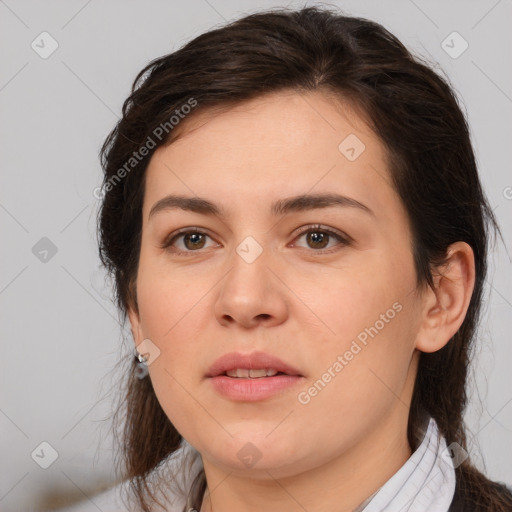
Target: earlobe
[[445, 305]]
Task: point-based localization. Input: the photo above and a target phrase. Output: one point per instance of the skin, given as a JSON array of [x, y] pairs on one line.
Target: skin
[[295, 302]]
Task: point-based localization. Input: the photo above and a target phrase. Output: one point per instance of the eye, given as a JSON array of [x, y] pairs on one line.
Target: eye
[[318, 238], [186, 241]]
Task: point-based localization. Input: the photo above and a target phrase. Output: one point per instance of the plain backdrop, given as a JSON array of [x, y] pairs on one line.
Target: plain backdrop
[[59, 332]]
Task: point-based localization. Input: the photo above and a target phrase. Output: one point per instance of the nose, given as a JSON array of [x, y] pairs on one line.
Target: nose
[[250, 294]]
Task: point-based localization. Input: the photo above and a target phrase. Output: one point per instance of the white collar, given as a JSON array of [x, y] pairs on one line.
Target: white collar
[[425, 482]]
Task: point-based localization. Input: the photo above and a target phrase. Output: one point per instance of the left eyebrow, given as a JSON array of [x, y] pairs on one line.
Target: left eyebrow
[[313, 201], [281, 207]]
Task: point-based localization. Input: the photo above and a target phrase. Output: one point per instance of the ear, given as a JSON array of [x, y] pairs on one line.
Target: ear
[[135, 325], [445, 306]]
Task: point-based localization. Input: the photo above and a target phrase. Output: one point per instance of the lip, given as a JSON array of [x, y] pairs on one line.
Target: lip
[[256, 360], [252, 390]]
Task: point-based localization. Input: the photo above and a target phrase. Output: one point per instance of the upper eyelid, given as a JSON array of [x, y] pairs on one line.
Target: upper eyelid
[[319, 227]]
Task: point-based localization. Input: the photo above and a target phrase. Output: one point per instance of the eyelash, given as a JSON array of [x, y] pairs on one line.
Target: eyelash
[[344, 239]]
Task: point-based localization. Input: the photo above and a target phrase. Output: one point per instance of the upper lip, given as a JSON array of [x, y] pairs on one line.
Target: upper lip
[[256, 360]]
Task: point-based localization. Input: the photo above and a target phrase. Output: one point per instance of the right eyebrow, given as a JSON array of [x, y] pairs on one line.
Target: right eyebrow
[[193, 204]]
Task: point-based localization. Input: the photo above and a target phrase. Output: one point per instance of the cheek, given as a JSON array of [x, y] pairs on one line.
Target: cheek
[[171, 322], [166, 299], [344, 302], [356, 383], [365, 341], [173, 316]]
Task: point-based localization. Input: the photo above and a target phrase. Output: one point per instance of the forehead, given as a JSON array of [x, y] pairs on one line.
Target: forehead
[[286, 120], [280, 144]]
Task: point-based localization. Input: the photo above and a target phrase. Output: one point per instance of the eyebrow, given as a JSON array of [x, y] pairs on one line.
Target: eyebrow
[[281, 207]]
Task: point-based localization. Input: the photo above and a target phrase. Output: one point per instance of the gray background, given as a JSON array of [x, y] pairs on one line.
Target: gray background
[[60, 336]]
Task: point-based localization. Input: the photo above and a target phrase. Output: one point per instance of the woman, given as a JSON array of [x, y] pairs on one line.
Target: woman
[[297, 231]]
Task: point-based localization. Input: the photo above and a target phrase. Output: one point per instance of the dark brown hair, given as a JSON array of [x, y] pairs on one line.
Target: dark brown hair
[[413, 111]]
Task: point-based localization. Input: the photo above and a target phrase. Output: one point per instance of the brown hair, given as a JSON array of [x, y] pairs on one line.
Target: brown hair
[[415, 114]]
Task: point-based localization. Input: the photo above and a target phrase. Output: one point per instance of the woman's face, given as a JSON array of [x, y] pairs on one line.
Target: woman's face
[[325, 284]]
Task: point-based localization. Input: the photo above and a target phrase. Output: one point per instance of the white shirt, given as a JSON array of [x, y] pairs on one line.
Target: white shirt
[[426, 482]]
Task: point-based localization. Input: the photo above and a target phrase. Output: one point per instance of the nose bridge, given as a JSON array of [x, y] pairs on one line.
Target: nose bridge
[[250, 250], [249, 293], [248, 276]]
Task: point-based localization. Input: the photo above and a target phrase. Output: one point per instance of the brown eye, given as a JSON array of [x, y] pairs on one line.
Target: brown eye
[[319, 239], [186, 241], [194, 241]]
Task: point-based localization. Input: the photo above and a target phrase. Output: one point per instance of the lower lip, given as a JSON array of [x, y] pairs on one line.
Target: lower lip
[[252, 390]]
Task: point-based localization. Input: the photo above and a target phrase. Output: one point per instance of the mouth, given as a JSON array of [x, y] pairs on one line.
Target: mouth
[[252, 377], [257, 365]]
